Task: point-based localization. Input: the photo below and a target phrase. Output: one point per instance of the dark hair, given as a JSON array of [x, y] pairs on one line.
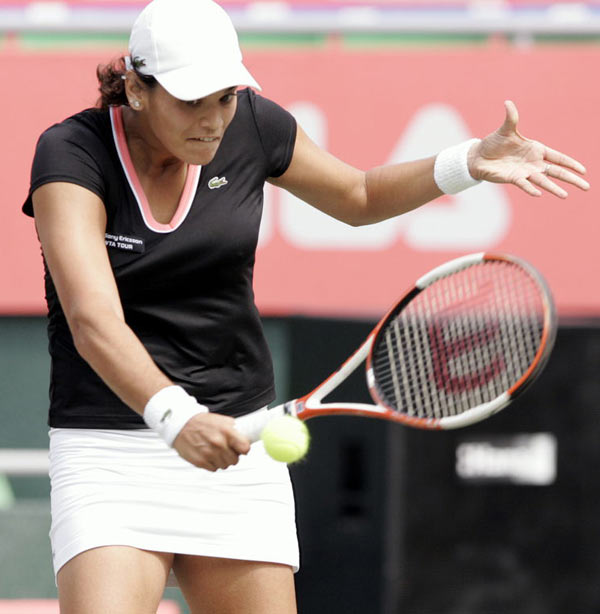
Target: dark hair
[[112, 85]]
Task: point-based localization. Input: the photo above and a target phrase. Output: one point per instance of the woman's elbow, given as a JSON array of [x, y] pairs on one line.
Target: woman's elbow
[[87, 326], [83, 332], [364, 217], [361, 211]]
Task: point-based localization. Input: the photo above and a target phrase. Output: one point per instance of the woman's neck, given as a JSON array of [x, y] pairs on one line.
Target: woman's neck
[[147, 154]]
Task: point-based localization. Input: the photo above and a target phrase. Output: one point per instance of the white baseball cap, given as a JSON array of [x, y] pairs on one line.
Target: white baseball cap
[[189, 46]]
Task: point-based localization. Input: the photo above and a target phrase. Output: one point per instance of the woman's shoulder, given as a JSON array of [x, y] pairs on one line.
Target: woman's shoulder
[[75, 150], [261, 112], [90, 125], [265, 128], [254, 102]]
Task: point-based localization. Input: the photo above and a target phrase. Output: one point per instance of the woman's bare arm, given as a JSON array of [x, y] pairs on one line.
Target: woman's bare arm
[[71, 222]]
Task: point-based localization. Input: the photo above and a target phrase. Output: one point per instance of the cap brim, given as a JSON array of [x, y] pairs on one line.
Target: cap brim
[[191, 82]]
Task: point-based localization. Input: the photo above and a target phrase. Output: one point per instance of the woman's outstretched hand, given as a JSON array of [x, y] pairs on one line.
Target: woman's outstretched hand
[[507, 157]]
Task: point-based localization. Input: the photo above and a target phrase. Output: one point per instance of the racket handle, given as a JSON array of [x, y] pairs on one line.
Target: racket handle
[[252, 425]]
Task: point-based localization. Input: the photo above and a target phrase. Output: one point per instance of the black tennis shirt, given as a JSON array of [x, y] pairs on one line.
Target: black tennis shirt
[[186, 288]]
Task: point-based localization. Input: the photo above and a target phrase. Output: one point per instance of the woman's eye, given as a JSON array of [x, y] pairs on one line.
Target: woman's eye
[[229, 97]]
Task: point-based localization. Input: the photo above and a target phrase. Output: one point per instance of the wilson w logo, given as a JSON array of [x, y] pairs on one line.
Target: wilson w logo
[[464, 343]]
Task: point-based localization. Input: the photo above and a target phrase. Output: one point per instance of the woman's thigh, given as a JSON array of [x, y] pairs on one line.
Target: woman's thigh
[[226, 586], [113, 580]]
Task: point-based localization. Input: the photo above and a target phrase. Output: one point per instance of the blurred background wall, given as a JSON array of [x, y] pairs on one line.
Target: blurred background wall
[[391, 520]]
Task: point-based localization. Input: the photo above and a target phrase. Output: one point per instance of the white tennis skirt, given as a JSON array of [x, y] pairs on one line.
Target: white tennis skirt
[[118, 487]]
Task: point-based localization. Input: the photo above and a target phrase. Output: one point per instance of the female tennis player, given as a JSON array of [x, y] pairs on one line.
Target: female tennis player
[[148, 209]]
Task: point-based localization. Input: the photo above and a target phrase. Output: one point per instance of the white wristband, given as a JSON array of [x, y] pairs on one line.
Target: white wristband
[[169, 410], [451, 170]]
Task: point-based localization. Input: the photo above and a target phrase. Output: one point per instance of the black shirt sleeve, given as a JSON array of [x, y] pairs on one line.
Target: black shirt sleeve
[[277, 132], [65, 153]]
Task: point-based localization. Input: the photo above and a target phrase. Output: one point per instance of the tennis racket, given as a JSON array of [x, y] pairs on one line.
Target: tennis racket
[[458, 347]]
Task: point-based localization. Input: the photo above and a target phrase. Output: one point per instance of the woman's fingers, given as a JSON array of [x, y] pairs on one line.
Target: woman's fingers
[[562, 174], [542, 181], [556, 157], [527, 187], [210, 441]]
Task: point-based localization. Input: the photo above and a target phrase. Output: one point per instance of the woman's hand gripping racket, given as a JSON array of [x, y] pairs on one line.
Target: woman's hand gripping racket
[[457, 348]]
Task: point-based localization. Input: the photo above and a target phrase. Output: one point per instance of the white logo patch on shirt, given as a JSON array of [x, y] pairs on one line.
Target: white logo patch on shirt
[[216, 182], [128, 244]]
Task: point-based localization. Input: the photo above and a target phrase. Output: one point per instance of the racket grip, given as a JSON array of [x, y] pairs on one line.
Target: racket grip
[[252, 425]]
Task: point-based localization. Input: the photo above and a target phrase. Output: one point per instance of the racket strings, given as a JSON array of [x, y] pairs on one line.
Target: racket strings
[[461, 342]]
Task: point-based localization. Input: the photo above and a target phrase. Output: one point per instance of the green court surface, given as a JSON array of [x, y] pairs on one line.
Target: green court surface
[[36, 42], [26, 558], [25, 554]]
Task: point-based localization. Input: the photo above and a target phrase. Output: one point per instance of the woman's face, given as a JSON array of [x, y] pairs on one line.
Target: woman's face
[[190, 131]]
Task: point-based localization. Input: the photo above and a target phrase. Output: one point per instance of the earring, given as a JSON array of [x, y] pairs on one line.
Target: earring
[[136, 104]]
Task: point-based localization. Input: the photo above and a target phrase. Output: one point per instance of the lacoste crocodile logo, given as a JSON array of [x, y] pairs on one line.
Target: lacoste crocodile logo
[[217, 182], [138, 62]]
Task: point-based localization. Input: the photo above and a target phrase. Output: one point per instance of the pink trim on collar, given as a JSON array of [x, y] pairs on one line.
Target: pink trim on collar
[[189, 188]]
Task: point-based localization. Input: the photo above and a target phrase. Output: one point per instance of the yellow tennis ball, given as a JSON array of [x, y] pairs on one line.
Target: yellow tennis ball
[[286, 439]]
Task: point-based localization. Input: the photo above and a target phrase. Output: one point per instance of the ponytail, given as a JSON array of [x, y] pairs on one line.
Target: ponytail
[[112, 83]]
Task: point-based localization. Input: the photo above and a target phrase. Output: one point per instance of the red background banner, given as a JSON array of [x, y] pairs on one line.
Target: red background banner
[[368, 107]]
